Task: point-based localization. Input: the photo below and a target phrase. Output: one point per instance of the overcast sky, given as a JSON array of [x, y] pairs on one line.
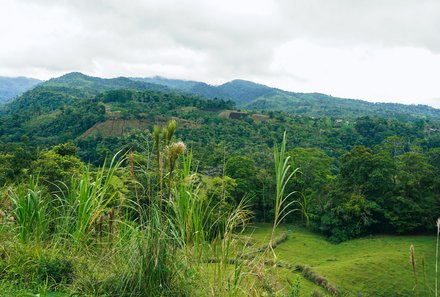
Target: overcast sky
[[377, 50]]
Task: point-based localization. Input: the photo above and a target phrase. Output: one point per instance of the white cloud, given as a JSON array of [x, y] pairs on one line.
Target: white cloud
[[383, 22], [374, 50], [404, 74]]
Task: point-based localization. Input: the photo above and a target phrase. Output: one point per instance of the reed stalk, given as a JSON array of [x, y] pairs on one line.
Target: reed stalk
[[284, 174]]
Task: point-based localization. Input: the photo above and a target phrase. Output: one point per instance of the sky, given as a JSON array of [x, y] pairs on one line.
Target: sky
[[376, 50]]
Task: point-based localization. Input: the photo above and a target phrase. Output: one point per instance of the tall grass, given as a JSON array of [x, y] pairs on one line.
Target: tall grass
[[81, 205], [30, 210], [194, 226], [227, 279], [190, 216], [412, 260], [147, 258]]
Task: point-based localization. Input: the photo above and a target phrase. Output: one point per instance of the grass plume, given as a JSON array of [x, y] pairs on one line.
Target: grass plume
[[412, 260]]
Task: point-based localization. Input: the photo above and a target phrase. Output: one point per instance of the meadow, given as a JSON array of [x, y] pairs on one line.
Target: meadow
[[370, 266]]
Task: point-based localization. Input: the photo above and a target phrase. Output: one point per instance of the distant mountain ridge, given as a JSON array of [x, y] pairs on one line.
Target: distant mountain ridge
[[11, 87], [245, 94], [239, 91], [250, 95]]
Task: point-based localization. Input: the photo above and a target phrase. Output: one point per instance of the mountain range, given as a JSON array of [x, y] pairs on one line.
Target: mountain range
[[245, 94]]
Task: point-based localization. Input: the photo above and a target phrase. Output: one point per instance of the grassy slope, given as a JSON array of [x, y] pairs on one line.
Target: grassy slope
[[373, 266]]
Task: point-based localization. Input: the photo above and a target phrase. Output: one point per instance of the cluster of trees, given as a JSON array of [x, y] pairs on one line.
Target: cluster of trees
[[385, 190]]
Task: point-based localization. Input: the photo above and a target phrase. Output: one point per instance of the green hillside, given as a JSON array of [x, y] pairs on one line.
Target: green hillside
[[392, 153], [245, 94]]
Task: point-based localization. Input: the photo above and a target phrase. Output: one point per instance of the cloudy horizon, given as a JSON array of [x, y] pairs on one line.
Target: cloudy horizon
[[387, 51]]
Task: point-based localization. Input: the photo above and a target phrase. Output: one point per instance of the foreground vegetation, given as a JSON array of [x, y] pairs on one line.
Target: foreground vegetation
[[148, 228]]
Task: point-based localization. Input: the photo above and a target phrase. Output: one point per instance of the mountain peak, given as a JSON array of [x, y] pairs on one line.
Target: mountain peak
[[247, 83], [73, 75]]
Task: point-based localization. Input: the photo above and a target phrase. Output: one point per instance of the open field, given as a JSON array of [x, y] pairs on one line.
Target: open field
[[370, 266]]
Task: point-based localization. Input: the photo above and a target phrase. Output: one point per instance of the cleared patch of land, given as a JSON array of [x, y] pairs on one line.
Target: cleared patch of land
[[114, 127], [232, 114]]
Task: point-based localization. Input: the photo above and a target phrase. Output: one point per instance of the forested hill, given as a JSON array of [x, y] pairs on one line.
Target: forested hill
[[251, 95], [11, 87], [67, 89], [94, 85]]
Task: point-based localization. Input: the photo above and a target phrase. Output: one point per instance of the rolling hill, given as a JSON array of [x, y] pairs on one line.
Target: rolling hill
[[94, 85]]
